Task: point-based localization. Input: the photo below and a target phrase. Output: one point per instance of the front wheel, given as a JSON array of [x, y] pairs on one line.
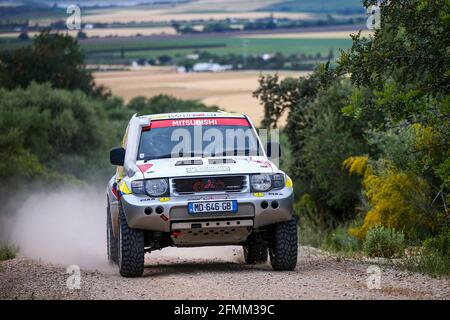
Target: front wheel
[[131, 249], [284, 247]]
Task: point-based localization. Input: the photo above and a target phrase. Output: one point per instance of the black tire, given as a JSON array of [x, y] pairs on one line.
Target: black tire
[[111, 240], [255, 252], [131, 249], [284, 247]]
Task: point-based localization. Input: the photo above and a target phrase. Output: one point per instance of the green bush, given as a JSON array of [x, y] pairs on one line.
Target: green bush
[[340, 241], [439, 244], [7, 252], [309, 234], [384, 242], [434, 258]]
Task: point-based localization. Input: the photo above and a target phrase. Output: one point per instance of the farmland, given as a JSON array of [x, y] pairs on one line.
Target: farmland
[[118, 50], [123, 50], [231, 91]]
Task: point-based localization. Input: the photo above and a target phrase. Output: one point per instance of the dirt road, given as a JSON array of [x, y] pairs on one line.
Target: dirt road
[[219, 273]]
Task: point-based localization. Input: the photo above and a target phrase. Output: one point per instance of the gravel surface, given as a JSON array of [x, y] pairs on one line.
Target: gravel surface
[[219, 273]]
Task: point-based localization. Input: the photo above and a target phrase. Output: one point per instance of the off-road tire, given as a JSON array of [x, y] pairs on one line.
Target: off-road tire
[[255, 252], [131, 249], [284, 247], [111, 240]]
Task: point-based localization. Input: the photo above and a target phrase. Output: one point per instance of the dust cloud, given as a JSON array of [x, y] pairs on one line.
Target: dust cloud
[[68, 227], [65, 227]]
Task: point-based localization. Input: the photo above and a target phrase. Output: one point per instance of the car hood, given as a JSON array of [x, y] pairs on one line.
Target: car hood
[[185, 167]]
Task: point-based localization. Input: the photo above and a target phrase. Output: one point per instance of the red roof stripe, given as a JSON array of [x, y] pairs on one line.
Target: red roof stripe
[[198, 122]]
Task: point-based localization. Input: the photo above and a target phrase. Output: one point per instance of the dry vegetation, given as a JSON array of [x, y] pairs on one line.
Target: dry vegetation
[[231, 91], [220, 5], [130, 15], [110, 32]]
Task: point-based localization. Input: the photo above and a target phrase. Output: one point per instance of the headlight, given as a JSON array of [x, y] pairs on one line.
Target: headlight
[[137, 187], [278, 181], [156, 187], [261, 182], [266, 182]]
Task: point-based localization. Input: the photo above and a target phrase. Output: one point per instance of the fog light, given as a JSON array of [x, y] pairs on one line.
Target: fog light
[[264, 204]]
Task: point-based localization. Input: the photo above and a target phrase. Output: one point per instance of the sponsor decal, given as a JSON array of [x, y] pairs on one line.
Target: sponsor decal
[[263, 163], [275, 194], [258, 194], [198, 122], [144, 167], [164, 199], [208, 185], [207, 169], [114, 191], [164, 217]]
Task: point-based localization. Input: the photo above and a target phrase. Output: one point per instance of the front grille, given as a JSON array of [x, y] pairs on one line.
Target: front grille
[[209, 184]]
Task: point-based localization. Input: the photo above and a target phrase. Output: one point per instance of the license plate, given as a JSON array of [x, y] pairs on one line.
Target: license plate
[[212, 206]]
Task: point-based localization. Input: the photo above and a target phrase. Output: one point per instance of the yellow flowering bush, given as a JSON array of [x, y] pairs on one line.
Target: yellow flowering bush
[[395, 198]]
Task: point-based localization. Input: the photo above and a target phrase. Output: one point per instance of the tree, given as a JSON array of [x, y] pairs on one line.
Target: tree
[[23, 36], [55, 58], [407, 56], [405, 66], [278, 96], [320, 139], [81, 35]]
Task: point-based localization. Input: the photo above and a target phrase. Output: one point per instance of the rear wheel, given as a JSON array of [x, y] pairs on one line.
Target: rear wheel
[[255, 252], [111, 240], [284, 248], [131, 249]]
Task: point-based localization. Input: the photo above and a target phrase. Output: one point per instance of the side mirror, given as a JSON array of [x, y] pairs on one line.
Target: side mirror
[[273, 150], [117, 156]]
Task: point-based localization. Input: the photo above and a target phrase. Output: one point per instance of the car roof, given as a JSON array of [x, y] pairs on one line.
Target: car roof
[[188, 115]]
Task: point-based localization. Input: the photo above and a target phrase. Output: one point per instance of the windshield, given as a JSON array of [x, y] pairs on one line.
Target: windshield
[[203, 137]]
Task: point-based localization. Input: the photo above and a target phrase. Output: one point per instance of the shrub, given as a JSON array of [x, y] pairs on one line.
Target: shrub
[[7, 252], [384, 242], [309, 234], [397, 199], [435, 257], [341, 241]]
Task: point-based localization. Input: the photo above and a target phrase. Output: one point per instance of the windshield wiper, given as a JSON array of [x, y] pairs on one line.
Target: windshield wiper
[[170, 155]]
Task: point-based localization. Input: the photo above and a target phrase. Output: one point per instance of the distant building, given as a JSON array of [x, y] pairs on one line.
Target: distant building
[[267, 56], [210, 67], [193, 56]]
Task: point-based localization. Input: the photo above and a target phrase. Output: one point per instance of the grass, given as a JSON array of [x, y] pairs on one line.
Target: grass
[[431, 258], [432, 263], [7, 252], [104, 50], [434, 256], [320, 6], [136, 48]]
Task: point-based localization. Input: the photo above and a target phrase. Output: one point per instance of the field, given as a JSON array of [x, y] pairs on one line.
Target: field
[[116, 50], [124, 41], [231, 91], [308, 35], [107, 32]]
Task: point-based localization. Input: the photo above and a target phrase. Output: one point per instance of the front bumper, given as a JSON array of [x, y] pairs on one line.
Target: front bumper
[[174, 209]]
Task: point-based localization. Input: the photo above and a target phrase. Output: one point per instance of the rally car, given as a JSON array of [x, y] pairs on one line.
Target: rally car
[[198, 179]]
